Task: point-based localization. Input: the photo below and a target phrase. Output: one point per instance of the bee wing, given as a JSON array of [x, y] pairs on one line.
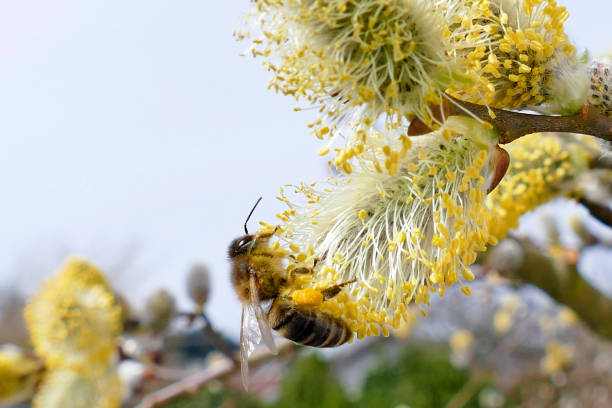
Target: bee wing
[[250, 336], [262, 321]]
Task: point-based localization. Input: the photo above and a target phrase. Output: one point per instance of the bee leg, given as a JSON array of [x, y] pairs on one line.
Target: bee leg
[[301, 270], [268, 234], [332, 291], [314, 262]]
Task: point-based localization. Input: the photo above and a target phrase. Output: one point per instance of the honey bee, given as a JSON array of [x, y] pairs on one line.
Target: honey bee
[[258, 275]]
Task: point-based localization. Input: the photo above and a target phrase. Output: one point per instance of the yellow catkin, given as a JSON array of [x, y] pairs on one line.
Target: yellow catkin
[[19, 374], [361, 61], [74, 318], [524, 47], [542, 167], [396, 235]]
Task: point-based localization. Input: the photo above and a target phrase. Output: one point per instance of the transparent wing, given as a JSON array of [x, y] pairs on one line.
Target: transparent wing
[[262, 321], [250, 336]]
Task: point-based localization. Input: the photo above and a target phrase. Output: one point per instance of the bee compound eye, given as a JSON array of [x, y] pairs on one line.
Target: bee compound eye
[[245, 242]]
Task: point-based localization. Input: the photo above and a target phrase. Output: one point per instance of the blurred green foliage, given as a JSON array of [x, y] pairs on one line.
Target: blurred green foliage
[[213, 398], [309, 383], [418, 378]]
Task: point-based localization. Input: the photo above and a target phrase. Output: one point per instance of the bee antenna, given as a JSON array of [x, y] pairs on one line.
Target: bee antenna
[[249, 217]]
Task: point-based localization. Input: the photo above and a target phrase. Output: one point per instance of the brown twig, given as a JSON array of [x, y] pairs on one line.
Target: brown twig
[[600, 211], [197, 381], [602, 162], [467, 391], [513, 125], [216, 338], [219, 341], [561, 280], [165, 373]]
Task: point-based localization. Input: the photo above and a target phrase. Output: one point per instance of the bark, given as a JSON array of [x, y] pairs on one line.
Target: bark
[[559, 278], [600, 211], [513, 125]]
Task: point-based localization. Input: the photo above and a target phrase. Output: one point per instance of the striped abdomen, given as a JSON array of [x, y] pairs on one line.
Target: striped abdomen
[[306, 325]]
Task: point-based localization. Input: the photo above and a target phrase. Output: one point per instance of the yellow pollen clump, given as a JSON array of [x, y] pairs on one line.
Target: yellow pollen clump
[[307, 297]]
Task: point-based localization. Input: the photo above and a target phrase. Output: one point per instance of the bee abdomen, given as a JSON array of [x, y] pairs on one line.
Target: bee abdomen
[[308, 326]]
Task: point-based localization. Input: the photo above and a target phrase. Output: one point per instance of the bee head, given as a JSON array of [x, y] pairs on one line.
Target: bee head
[[245, 243], [241, 245]]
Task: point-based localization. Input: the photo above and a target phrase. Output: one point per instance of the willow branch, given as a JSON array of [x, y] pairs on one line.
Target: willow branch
[[561, 280], [603, 161], [600, 211], [220, 370], [513, 125], [218, 341], [468, 390]]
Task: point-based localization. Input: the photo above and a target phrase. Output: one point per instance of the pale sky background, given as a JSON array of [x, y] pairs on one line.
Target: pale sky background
[[133, 133]]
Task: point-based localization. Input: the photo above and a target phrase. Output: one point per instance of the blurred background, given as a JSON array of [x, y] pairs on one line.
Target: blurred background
[[135, 135]]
